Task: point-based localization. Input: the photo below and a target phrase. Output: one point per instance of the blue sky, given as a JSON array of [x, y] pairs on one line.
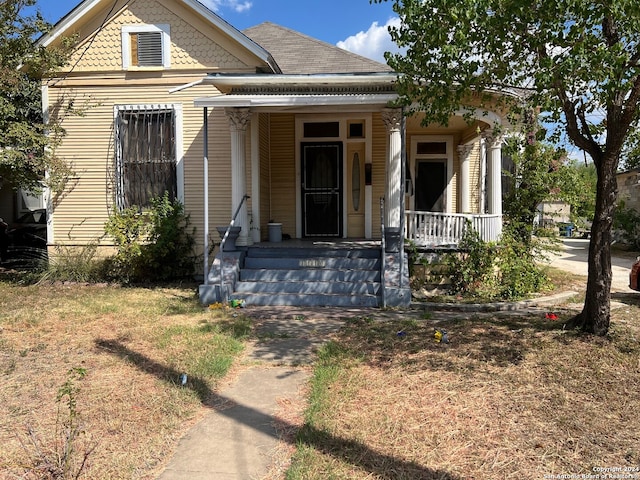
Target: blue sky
[[355, 25]]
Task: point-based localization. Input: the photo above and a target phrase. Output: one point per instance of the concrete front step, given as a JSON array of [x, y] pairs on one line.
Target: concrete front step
[[315, 275], [310, 287], [310, 276], [307, 300], [266, 252], [304, 263]]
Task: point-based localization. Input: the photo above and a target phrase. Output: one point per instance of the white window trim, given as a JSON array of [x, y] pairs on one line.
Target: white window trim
[[127, 30], [179, 141]]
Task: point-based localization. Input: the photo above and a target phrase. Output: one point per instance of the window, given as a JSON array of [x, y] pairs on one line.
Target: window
[[146, 160], [146, 46], [355, 128], [321, 129]]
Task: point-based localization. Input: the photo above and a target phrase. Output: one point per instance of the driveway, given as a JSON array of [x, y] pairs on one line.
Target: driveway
[[574, 259]]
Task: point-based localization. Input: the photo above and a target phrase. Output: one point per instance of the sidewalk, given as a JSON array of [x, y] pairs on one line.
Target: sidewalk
[[237, 439]]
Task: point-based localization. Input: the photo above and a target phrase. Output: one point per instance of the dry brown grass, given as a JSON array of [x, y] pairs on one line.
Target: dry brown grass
[[133, 343], [510, 397]]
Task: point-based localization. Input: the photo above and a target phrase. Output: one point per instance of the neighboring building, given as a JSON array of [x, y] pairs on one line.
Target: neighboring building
[[553, 212], [629, 188], [175, 99]]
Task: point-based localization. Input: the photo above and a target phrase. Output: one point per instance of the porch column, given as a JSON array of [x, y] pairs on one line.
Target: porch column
[[392, 119], [494, 173], [465, 190], [238, 121]]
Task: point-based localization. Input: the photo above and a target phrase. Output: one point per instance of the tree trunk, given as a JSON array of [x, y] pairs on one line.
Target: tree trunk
[[595, 315]]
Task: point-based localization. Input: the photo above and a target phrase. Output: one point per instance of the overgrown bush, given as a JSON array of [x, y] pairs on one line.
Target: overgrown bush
[[156, 244], [626, 221], [471, 269], [519, 274], [506, 270]]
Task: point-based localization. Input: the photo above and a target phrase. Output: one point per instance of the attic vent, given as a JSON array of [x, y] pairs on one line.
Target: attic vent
[[146, 49], [146, 46]]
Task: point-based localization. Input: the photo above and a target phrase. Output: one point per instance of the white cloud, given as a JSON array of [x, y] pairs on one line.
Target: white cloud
[[237, 5], [372, 43]]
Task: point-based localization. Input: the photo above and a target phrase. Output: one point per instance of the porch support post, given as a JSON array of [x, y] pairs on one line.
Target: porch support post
[[392, 119], [255, 179], [494, 146], [465, 190], [238, 121]]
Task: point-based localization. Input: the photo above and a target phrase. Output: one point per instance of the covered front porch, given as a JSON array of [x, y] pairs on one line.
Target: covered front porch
[[329, 157]]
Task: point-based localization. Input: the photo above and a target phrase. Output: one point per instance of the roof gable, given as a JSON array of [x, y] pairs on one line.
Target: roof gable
[[92, 19], [296, 53]]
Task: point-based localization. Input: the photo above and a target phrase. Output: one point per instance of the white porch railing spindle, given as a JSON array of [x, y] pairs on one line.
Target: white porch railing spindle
[[440, 229]]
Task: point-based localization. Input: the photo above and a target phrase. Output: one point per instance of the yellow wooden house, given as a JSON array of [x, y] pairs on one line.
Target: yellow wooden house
[[294, 141]]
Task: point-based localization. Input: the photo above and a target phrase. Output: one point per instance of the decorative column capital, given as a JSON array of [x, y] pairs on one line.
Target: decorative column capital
[[392, 118], [464, 151], [238, 118], [493, 138]]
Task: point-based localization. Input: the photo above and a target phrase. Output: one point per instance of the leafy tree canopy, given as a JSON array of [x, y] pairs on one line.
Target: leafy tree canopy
[[575, 61], [24, 156]]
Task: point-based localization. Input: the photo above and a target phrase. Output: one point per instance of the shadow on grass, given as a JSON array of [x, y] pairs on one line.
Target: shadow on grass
[[354, 452], [474, 342]]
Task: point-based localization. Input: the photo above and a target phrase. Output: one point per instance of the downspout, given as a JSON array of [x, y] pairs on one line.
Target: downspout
[[206, 195], [403, 199], [483, 175]]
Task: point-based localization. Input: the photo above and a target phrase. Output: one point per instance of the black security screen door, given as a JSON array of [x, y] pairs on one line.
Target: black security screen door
[[322, 189]]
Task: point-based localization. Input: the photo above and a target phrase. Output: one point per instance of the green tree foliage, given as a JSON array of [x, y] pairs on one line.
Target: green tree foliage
[[543, 173], [577, 61], [24, 156], [537, 177]]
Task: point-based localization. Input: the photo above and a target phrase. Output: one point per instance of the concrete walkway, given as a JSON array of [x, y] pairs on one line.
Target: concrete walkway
[[238, 438]]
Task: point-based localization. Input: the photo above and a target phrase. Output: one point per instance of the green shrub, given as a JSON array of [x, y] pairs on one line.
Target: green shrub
[[471, 269], [506, 270], [627, 221], [155, 244], [519, 274]]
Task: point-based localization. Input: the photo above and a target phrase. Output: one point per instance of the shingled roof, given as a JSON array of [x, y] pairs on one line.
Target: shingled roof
[[296, 53]]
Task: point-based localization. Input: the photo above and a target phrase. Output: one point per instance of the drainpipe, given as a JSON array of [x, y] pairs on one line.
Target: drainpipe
[[206, 195]]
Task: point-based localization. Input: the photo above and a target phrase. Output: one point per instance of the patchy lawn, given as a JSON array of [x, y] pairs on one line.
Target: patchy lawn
[[511, 396], [132, 345]]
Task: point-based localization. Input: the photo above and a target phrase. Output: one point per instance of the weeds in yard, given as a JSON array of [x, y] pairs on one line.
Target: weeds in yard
[[135, 342], [68, 456]]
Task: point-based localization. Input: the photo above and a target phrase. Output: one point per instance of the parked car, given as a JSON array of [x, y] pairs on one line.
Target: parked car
[[29, 230], [633, 275]]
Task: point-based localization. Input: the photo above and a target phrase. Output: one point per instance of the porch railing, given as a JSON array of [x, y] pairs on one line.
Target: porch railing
[[447, 229], [223, 293]]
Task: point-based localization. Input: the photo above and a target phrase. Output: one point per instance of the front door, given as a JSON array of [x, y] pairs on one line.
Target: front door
[[322, 189], [430, 187]]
